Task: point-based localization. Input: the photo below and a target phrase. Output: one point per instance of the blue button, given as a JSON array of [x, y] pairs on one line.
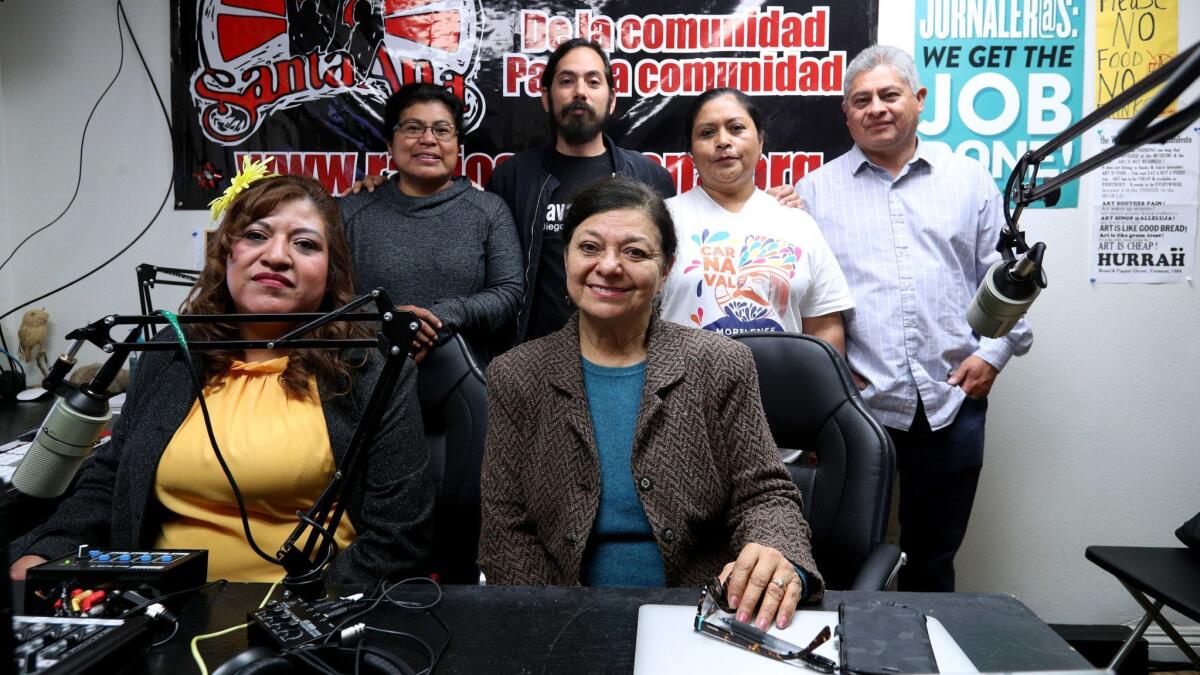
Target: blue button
[[104, 557], [146, 557], [125, 557], [167, 558]]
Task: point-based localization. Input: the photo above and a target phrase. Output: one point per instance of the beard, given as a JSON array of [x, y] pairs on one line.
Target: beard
[[579, 129]]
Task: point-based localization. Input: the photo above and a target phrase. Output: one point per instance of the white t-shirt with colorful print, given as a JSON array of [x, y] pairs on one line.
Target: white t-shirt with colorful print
[[763, 268]]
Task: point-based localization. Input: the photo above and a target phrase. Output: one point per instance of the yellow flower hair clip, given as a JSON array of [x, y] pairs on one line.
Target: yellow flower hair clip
[[251, 171]]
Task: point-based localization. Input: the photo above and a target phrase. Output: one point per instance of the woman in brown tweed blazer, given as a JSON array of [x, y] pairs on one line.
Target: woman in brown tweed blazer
[[696, 466]]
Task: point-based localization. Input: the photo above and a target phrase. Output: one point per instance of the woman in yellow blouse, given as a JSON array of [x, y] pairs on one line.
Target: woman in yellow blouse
[[282, 419]]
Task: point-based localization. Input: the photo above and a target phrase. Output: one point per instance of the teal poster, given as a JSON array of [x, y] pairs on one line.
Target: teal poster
[[1004, 77]]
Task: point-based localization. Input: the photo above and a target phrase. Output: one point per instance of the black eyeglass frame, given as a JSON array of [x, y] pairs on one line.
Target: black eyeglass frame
[[431, 127], [752, 638]]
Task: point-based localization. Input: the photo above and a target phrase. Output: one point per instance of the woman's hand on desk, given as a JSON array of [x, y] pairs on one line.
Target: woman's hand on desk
[[16, 571], [752, 578]]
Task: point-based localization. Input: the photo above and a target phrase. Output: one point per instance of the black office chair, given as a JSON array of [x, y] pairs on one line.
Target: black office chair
[[453, 396], [845, 470], [1155, 577]]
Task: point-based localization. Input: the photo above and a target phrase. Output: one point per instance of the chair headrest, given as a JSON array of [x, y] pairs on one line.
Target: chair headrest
[[799, 373], [443, 369]]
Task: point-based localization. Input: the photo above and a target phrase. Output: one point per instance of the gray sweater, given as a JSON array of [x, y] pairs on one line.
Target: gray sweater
[[454, 253]]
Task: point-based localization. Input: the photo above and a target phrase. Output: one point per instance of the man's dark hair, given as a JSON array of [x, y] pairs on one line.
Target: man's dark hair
[[745, 101], [552, 62], [622, 192], [419, 92]]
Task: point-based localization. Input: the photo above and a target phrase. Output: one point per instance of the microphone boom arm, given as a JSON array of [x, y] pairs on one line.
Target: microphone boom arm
[[305, 566], [1010, 285], [1023, 189]]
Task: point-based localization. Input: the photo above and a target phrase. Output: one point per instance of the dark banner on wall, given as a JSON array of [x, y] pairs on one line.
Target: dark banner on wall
[[304, 81]]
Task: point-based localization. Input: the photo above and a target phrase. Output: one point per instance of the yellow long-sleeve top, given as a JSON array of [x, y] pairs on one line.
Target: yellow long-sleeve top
[[278, 450]]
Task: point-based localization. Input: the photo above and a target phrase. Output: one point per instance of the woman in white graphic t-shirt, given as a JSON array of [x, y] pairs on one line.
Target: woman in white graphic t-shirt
[[745, 262]]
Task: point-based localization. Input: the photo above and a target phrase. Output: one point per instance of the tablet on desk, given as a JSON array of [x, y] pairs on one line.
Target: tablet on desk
[[667, 643]]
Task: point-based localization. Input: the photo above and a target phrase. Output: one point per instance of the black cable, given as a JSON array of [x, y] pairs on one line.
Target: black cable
[[407, 604], [198, 387], [331, 551], [310, 660], [125, 18], [337, 629], [101, 265], [82, 138], [79, 179], [445, 645], [212, 438], [429, 655], [174, 632], [385, 589], [13, 363], [167, 596]]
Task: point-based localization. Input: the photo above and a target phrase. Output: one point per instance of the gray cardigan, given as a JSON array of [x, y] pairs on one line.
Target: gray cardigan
[[454, 253], [391, 507]]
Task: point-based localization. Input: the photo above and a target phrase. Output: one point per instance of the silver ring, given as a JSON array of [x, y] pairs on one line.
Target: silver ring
[[780, 583]]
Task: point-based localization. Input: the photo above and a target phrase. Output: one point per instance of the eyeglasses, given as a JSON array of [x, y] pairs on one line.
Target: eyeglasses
[[728, 629], [442, 131]]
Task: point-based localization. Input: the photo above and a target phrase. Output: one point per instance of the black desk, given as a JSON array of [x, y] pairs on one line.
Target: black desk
[[24, 512], [1170, 575], [19, 417], [560, 630]]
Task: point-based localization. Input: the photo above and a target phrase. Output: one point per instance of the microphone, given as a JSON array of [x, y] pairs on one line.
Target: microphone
[[72, 427], [66, 438], [1006, 292]]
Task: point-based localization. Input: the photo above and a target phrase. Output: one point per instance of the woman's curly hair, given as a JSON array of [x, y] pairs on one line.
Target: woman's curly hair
[[210, 295]]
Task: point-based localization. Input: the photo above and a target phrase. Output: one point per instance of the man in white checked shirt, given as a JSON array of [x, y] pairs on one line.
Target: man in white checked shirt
[[914, 228]]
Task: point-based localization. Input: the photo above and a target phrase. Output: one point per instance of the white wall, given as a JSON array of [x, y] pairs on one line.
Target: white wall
[[1094, 437], [5, 234], [58, 57]]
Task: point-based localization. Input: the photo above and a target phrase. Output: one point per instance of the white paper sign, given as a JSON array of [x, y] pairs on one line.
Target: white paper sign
[[1143, 215]]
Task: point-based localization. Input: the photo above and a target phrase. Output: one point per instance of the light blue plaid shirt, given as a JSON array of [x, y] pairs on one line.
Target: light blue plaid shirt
[[914, 250]]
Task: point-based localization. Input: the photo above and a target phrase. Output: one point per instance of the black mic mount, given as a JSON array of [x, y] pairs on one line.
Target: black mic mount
[[305, 565], [1023, 274], [1013, 283], [1024, 189], [148, 276]]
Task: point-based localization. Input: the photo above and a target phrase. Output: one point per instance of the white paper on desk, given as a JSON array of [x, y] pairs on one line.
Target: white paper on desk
[[20, 446], [667, 643], [13, 452], [11, 455]]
